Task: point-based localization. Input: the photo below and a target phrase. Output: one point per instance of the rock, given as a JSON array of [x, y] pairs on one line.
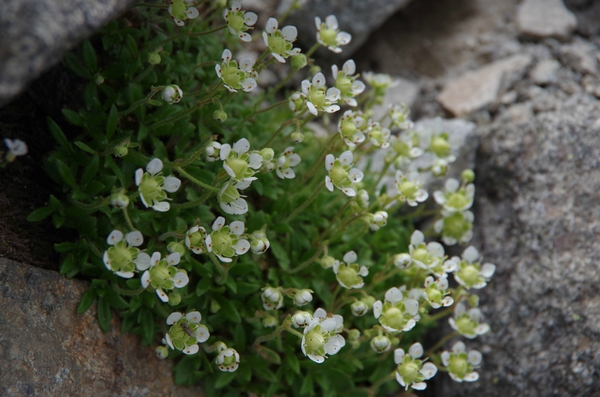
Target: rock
[[402, 91], [537, 217], [580, 56], [481, 87], [587, 13], [36, 33], [545, 18], [545, 72], [357, 17], [48, 349]]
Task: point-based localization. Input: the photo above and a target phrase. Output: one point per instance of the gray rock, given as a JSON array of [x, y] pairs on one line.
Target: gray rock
[[587, 13], [480, 88], [402, 91], [47, 349], [580, 56], [545, 72], [357, 17], [537, 217], [545, 18], [36, 33]]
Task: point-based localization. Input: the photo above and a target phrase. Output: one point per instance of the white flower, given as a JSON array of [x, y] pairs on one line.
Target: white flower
[[352, 126], [321, 336], [228, 359], [230, 199], [16, 147], [397, 313], [152, 186], [380, 136], [346, 82], [435, 292], [426, 256], [163, 275], [455, 198], [467, 322], [378, 220], [272, 298], [410, 188], [239, 21], [260, 243], [411, 371], [455, 227], [329, 35], [186, 332], [182, 10], [460, 364], [286, 161], [213, 151], [406, 148], [227, 241], [279, 42], [399, 115], [470, 273], [194, 239], [318, 97], [236, 77], [381, 344], [123, 257], [239, 164], [303, 297], [172, 93], [301, 319], [348, 273], [341, 174]]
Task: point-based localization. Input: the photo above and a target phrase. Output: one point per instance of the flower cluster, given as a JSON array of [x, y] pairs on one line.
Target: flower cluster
[[234, 76], [348, 273], [340, 173], [321, 336]]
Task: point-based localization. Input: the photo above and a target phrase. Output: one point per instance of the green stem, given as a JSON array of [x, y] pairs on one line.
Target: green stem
[[320, 158], [162, 310], [440, 314], [128, 219], [294, 332], [196, 181], [306, 263], [333, 297], [127, 292], [94, 249], [137, 104], [377, 385], [270, 336], [312, 50], [441, 342], [93, 206], [144, 73], [305, 204], [165, 236], [222, 270], [193, 156], [276, 133], [333, 221], [189, 34]]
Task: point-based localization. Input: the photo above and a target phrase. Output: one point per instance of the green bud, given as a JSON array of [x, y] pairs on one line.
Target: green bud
[[154, 58], [269, 321], [473, 301], [353, 334], [174, 299], [267, 154], [327, 261], [314, 70], [468, 176], [297, 136], [175, 246], [298, 61], [214, 306], [120, 150], [99, 79], [219, 115]]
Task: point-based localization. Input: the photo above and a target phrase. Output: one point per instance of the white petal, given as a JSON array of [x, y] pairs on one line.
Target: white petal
[[226, 56], [393, 295], [428, 370], [202, 333], [142, 262], [377, 306], [451, 185], [248, 84], [356, 175], [328, 183], [320, 313], [343, 38], [331, 22], [218, 223], [419, 385], [174, 317], [154, 166], [471, 377], [318, 80], [334, 344], [290, 33], [487, 270], [193, 349], [171, 184], [328, 324], [346, 158], [436, 249], [180, 279], [245, 37], [329, 161], [349, 192], [312, 109], [471, 254], [114, 237], [278, 57], [169, 342], [474, 357], [250, 18], [417, 238], [161, 295], [272, 25], [246, 64], [134, 239], [139, 173], [162, 206], [241, 247], [416, 350], [334, 72], [350, 257], [237, 227], [349, 67], [124, 274], [482, 329], [145, 280], [412, 306], [194, 317], [459, 347], [192, 13], [317, 359]]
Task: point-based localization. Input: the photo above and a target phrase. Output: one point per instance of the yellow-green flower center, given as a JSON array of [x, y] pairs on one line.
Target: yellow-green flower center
[[394, 318], [239, 167], [236, 21], [338, 175], [440, 147], [409, 370], [328, 36], [314, 342], [408, 189], [469, 274]]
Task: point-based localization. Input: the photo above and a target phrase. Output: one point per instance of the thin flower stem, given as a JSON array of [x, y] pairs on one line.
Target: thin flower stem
[[320, 158], [441, 314], [190, 34], [306, 263], [93, 206], [294, 332], [333, 297], [377, 385], [137, 104], [196, 181], [333, 221], [128, 219], [440, 343], [94, 249], [221, 269], [165, 236], [127, 292], [312, 49], [270, 336], [193, 156], [162, 310], [276, 133], [144, 73], [305, 204]]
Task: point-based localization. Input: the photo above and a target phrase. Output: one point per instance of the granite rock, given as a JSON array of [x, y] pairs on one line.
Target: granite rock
[[47, 349], [36, 33], [545, 18]]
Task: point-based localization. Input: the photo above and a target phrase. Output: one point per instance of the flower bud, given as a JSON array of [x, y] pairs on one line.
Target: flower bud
[[301, 319], [121, 150], [402, 260], [172, 94], [298, 61], [381, 344], [297, 137], [213, 151], [214, 306], [303, 297], [473, 301], [162, 352], [327, 261], [468, 176], [220, 115], [99, 79], [119, 199], [174, 299], [269, 321], [267, 154], [154, 58], [175, 246], [359, 308], [272, 298]]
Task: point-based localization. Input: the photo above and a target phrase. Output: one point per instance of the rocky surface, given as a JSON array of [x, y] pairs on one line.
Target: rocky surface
[[46, 349], [545, 18], [35, 34]]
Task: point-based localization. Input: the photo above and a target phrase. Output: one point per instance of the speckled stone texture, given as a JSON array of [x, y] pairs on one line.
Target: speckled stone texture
[[47, 349], [34, 34], [537, 217]]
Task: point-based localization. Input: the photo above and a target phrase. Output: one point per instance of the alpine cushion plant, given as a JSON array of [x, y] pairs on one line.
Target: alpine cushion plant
[[227, 213]]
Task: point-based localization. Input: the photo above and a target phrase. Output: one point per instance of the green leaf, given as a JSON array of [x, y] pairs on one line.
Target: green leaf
[[73, 117], [269, 355], [64, 247], [281, 255], [69, 266], [73, 63], [307, 386], [224, 379], [39, 214], [58, 134], [115, 300], [203, 286], [87, 299], [132, 46], [116, 170], [246, 288], [90, 170], [89, 56], [84, 147], [228, 309], [239, 337], [111, 123], [104, 316], [293, 362], [147, 327], [65, 172]]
